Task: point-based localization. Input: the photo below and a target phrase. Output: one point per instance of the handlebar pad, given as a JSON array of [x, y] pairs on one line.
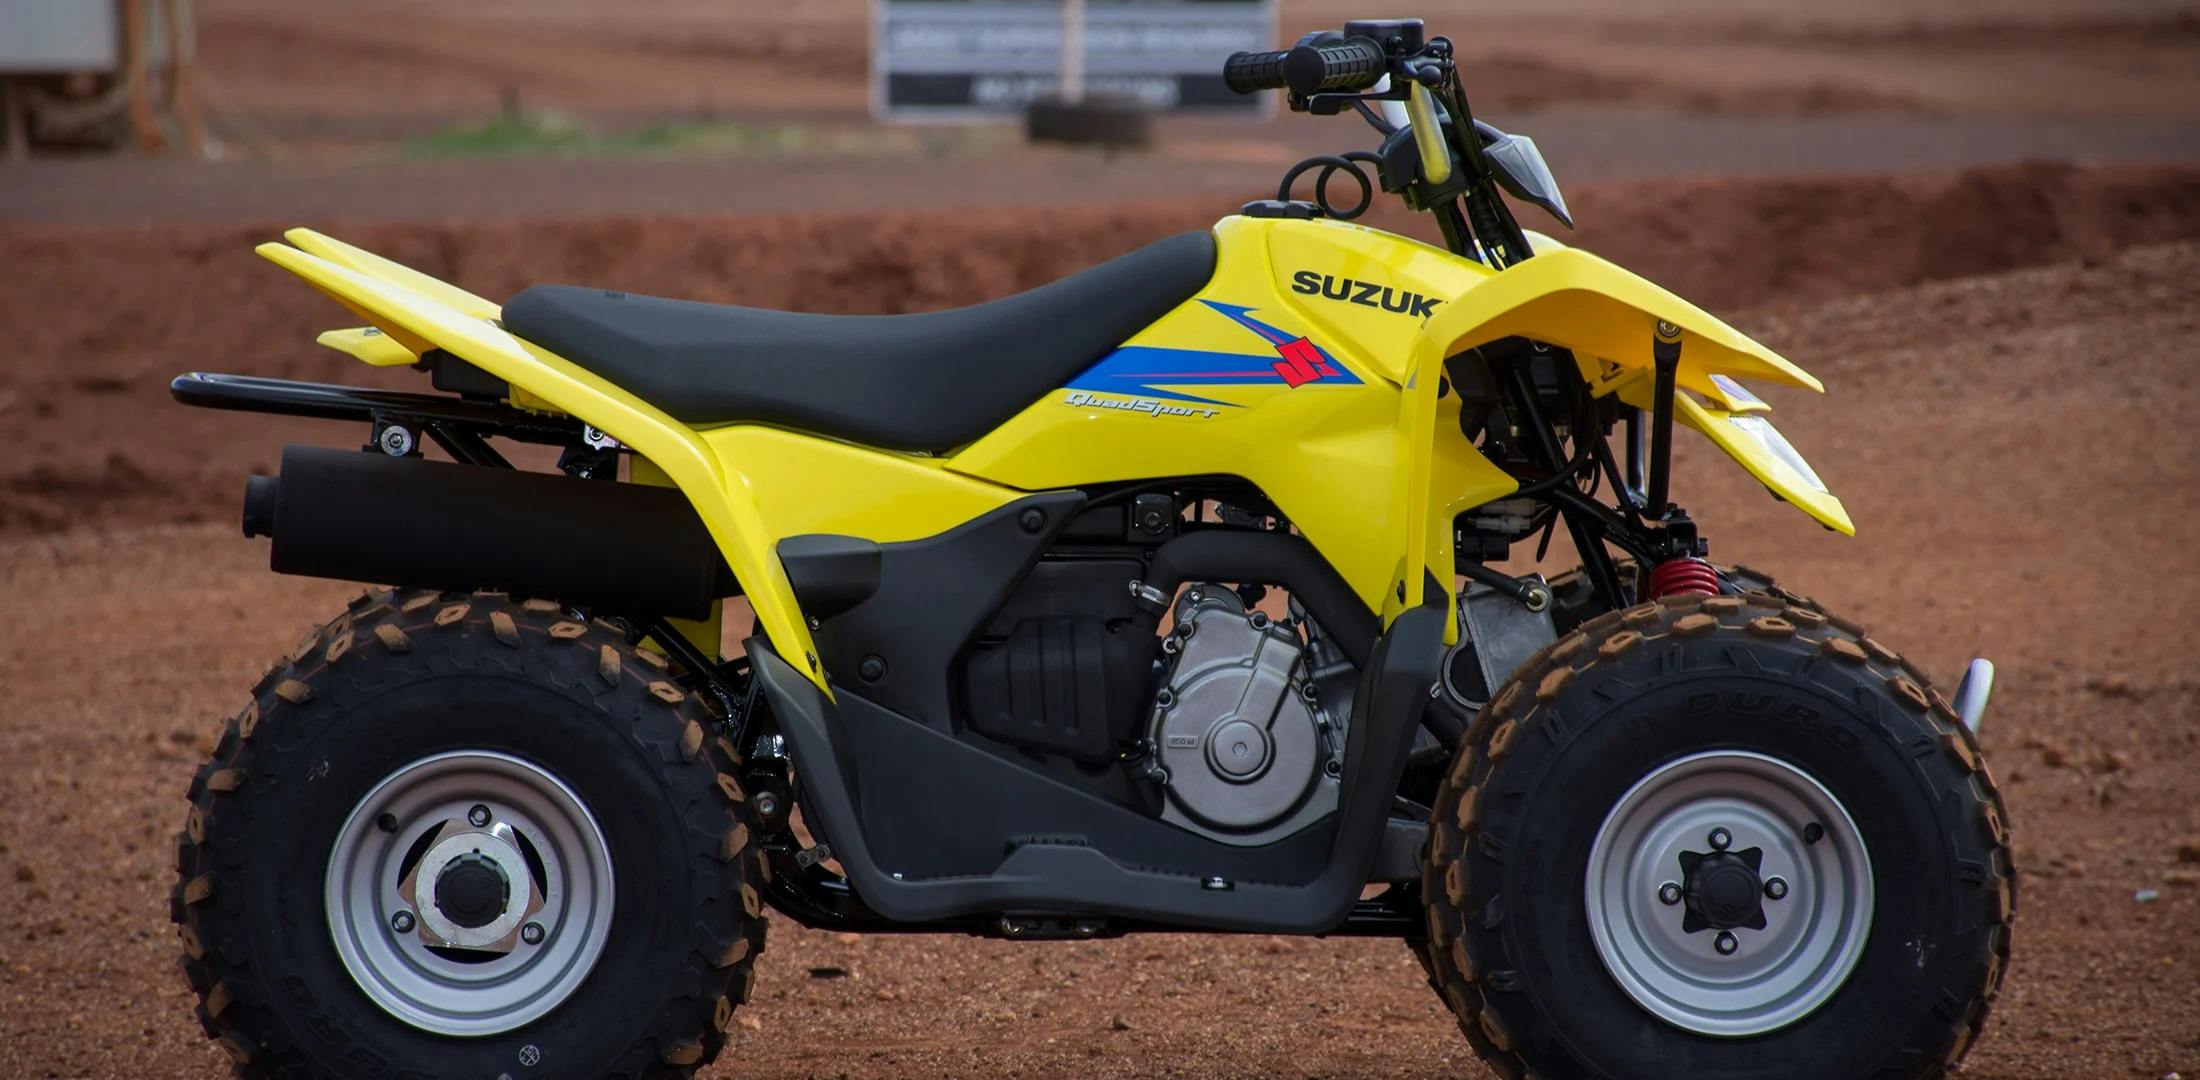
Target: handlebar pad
[[1355, 64]]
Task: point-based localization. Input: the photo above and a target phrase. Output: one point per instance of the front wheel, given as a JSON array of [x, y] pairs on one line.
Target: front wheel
[[461, 835], [1725, 836]]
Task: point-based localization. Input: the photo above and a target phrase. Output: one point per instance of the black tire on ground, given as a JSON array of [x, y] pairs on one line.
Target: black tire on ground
[[405, 675], [1510, 947]]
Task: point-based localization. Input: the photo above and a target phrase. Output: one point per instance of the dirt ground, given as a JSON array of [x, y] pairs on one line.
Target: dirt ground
[[2011, 346], [2014, 441]]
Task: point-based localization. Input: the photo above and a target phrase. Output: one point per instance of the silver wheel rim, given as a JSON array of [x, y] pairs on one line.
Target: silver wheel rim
[[420, 821], [1812, 935]]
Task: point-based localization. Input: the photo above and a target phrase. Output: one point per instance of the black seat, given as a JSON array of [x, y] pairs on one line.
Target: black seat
[[929, 381]]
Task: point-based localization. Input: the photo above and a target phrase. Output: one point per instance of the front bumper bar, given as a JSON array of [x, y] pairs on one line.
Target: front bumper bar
[[1972, 692]]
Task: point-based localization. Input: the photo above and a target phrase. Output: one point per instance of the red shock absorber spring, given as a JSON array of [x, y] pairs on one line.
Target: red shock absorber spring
[[1682, 576]]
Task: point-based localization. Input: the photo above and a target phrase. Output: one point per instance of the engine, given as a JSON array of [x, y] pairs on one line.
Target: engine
[[1242, 739]]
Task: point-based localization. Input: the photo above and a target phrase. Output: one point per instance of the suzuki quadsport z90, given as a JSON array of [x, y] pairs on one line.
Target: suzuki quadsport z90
[[1162, 597]]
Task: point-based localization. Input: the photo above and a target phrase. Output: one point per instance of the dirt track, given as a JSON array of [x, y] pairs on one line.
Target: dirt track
[[327, 70], [2017, 449]]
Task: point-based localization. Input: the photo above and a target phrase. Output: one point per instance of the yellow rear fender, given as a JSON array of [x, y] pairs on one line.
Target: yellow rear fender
[[420, 321], [369, 344], [404, 277]]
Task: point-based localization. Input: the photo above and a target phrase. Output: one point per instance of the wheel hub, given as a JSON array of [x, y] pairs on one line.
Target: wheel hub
[[463, 893], [1723, 890], [472, 891], [1729, 893], [469, 893]]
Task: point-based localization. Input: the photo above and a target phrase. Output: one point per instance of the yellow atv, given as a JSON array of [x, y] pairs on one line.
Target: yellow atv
[[1159, 598]]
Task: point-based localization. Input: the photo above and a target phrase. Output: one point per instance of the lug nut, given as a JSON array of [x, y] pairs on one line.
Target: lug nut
[[1813, 832], [1776, 888], [531, 933], [402, 922], [1669, 893], [1726, 943], [1721, 839], [479, 815]]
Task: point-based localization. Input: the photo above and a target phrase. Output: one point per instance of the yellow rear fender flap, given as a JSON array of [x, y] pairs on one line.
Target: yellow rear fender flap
[[368, 345], [421, 322]]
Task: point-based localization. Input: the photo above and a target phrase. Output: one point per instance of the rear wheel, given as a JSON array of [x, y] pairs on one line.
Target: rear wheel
[[1722, 836], [468, 835]]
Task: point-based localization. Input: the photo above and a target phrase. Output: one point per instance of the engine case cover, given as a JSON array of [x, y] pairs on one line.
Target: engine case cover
[[1249, 757]]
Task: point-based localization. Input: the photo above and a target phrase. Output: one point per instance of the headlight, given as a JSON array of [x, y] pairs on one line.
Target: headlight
[[1776, 444]]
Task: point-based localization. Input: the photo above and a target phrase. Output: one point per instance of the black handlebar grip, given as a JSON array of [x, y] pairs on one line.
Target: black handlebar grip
[[1353, 64], [1246, 72]]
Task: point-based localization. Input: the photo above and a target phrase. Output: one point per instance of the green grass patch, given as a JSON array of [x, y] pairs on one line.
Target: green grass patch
[[514, 133]]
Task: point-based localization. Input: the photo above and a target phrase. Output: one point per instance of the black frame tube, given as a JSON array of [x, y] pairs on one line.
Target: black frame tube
[[1635, 447], [329, 401], [1587, 536], [1665, 353]]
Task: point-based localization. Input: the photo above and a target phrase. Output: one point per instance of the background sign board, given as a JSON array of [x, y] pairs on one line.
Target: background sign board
[[972, 59], [42, 36]]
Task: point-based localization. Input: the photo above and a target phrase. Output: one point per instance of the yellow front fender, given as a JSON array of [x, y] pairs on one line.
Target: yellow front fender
[[1608, 317], [1584, 303]]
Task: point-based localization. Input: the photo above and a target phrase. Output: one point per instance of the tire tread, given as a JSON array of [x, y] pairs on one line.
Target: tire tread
[[692, 1025], [1762, 611]]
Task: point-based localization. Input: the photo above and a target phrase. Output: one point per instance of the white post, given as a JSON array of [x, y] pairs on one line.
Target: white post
[[1073, 51]]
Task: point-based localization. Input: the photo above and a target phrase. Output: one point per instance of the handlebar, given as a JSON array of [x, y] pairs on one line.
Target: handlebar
[[1350, 65], [1436, 161]]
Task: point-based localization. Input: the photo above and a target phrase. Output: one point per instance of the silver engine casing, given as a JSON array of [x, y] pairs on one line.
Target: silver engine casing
[[1247, 752]]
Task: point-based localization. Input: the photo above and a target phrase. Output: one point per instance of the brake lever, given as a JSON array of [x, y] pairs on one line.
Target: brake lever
[[1332, 104]]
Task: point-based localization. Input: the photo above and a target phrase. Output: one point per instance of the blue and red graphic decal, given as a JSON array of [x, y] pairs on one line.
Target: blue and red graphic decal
[[1142, 369]]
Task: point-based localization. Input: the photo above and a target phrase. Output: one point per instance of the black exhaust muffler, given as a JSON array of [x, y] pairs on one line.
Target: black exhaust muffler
[[626, 549]]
